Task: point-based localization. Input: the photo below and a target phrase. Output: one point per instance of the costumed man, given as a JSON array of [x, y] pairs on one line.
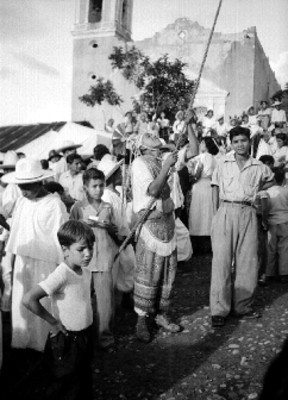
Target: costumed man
[[156, 247]]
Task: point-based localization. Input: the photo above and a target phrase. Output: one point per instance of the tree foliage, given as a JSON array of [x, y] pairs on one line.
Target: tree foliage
[[102, 91], [162, 84]]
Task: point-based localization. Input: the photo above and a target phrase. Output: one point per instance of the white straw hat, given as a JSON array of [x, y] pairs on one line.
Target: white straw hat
[[68, 144], [276, 103], [27, 170], [108, 166], [9, 160]]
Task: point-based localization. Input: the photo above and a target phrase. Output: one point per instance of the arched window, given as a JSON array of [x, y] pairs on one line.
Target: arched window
[[95, 11]]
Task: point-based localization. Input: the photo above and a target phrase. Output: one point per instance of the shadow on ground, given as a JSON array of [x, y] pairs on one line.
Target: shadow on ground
[[141, 371]]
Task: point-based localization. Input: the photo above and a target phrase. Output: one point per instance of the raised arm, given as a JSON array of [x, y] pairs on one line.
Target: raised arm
[[156, 186]]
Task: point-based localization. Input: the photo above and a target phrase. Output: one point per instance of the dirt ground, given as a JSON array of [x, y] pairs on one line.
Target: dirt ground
[[200, 363]]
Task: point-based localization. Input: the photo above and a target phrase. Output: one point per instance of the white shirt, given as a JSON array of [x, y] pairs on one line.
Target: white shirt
[[73, 185], [121, 221], [277, 205], [71, 297], [278, 116], [221, 129], [59, 167], [208, 123], [281, 156]]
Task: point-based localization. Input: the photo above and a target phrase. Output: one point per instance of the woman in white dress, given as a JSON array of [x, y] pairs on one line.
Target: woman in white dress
[[32, 248], [178, 126], [281, 154], [201, 209]]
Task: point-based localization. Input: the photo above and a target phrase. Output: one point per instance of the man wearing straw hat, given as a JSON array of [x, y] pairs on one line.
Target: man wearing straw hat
[[156, 246], [68, 147], [32, 247], [278, 116]]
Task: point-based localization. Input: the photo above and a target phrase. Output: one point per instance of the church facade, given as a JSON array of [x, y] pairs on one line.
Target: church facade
[[237, 73]]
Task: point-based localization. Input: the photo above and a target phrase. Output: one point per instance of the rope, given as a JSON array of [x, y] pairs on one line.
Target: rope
[[142, 219]]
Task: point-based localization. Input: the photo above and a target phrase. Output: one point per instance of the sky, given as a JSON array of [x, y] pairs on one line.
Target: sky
[[36, 46]]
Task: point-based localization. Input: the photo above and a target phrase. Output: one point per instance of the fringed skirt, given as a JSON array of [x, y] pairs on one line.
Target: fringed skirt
[[156, 258]]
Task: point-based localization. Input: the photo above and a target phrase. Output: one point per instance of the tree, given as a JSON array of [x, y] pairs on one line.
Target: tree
[[102, 91], [162, 84]]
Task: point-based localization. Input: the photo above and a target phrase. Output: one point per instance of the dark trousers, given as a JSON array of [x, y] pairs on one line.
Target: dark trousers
[[68, 362]]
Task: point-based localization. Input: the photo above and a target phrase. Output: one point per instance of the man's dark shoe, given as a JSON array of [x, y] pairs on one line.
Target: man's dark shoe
[[217, 321], [142, 331], [127, 301], [283, 278]]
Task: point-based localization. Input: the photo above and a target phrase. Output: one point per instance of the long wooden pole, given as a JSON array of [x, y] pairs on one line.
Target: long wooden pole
[[142, 219]]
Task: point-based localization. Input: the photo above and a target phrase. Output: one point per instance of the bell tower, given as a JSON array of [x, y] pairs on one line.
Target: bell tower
[[99, 26]]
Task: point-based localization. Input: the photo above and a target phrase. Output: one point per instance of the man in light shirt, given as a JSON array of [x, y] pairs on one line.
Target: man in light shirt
[[71, 180], [278, 116]]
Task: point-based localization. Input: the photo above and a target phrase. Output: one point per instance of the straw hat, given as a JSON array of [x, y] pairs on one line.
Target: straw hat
[[67, 145], [27, 170], [220, 116], [108, 166], [53, 153], [9, 160], [276, 103]]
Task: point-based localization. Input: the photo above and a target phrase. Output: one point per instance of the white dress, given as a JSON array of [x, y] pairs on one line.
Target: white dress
[[33, 240], [201, 206]]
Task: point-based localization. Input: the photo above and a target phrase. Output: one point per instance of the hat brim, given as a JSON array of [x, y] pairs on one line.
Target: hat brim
[[11, 178], [114, 169], [54, 155], [74, 146]]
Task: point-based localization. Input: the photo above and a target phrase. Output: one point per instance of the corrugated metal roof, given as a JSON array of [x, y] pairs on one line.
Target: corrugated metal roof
[[15, 136]]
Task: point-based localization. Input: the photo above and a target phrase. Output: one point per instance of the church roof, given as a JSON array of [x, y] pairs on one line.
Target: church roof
[[15, 136]]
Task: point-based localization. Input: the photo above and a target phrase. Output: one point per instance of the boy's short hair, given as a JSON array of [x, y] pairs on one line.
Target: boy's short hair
[[99, 151], [74, 231], [72, 157], [279, 174], [239, 130], [266, 159], [92, 173], [44, 164]]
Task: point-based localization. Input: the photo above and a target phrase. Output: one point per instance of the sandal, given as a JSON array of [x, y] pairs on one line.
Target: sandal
[[217, 321], [163, 321]]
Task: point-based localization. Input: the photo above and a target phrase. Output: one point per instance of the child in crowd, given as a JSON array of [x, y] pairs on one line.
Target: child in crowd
[[127, 260], [68, 348], [99, 215], [235, 183], [277, 221], [261, 211]]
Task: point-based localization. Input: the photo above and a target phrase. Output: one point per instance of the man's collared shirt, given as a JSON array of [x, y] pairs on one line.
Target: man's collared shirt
[[72, 184], [240, 185]]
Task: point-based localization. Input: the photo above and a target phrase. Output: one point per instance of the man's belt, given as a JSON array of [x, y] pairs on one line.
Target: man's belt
[[242, 203]]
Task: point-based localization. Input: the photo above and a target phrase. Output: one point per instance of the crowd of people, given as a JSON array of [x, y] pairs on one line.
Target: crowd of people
[[64, 219]]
